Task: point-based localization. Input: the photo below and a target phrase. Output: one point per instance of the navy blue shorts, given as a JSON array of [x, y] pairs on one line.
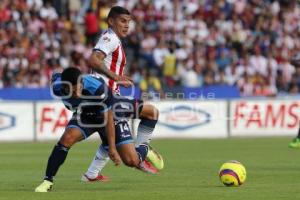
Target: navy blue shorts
[[127, 108], [123, 110], [123, 133]]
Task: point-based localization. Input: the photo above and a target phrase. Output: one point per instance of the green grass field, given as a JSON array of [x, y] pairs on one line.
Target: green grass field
[[191, 172]]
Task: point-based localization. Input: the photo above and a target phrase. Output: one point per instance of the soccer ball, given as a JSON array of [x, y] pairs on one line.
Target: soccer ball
[[232, 173]]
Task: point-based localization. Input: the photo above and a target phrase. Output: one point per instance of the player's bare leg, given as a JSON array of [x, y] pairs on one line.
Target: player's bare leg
[[135, 157], [149, 116]]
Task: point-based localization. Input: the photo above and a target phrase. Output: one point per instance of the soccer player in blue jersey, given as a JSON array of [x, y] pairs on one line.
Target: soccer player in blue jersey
[[92, 104]]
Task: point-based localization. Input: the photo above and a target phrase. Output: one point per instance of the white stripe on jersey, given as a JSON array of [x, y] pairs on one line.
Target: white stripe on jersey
[[115, 60]]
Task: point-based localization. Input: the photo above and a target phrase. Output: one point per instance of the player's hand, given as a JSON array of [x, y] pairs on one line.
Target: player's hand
[[114, 156], [125, 81]]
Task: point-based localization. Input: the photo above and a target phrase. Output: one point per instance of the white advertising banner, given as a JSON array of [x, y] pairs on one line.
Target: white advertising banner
[[190, 119], [16, 121], [264, 117], [51, 119]]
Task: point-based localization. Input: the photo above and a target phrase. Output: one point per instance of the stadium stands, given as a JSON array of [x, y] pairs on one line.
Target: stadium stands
[[180, 43]]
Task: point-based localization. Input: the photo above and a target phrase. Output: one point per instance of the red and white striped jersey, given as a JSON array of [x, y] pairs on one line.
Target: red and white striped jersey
[[115, 60]]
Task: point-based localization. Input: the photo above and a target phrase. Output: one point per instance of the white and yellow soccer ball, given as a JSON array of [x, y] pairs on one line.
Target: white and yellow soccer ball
[[232, 173]]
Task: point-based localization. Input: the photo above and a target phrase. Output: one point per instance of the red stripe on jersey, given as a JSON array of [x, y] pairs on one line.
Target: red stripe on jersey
[[113, 66], [123, 62], [121, 66]]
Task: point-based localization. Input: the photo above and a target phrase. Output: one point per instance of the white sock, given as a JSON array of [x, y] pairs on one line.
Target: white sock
[[144, 132], [98, 163]]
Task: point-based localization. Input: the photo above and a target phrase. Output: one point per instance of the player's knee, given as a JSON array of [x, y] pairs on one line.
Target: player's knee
[[155, 113], [150, 112], [131, 162], [68, 140]]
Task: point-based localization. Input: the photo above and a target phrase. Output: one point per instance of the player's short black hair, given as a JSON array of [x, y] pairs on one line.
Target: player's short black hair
[[116, 11], [71, 75]]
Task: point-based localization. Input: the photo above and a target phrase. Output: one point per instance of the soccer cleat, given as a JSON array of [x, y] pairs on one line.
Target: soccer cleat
[[295, 143], [45, 186], [155, 158], [99, 178], [146, 166]]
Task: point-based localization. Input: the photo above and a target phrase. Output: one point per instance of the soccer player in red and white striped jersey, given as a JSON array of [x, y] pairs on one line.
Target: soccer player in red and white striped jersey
[[108, 57], [115, 60], [108, 61]]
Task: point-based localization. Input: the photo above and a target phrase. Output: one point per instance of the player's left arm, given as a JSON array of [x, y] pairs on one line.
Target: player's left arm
[[110, 124], [96, 60], [107, 45]]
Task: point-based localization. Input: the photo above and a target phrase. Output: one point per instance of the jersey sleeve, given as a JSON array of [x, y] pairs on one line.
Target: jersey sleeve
[[107, 44], [56, 84], [55, 77]]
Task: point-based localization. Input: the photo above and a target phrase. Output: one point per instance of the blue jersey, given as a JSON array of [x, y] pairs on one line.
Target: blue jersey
[[96, 97]]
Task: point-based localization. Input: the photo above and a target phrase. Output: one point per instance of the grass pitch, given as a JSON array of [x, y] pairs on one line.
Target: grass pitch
[[191, 171]]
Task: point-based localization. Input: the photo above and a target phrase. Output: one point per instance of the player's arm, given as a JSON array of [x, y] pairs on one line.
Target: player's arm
[[110, 124], [97, 63], [104, 47], [110, 131], [55, 84]]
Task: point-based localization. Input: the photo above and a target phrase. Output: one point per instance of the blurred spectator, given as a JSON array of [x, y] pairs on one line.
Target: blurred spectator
[[159, 54], [258, 61], [74, 7], [91, 27], [287, 69], [245, 85], [293, 87], [103, 10], [169, 67], [232, 74], [151, 84], [148, 44], [223, 60], [48, 12]]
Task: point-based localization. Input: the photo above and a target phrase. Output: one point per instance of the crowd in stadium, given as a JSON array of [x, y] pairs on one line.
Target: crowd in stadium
[[173, 43]]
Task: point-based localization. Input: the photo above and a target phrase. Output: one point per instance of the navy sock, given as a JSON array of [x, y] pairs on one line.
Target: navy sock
[[56, 159], [148, 123], [142, 151]]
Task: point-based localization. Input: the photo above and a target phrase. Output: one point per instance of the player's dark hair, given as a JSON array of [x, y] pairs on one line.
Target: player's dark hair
[[71, 75], [116, 11]]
